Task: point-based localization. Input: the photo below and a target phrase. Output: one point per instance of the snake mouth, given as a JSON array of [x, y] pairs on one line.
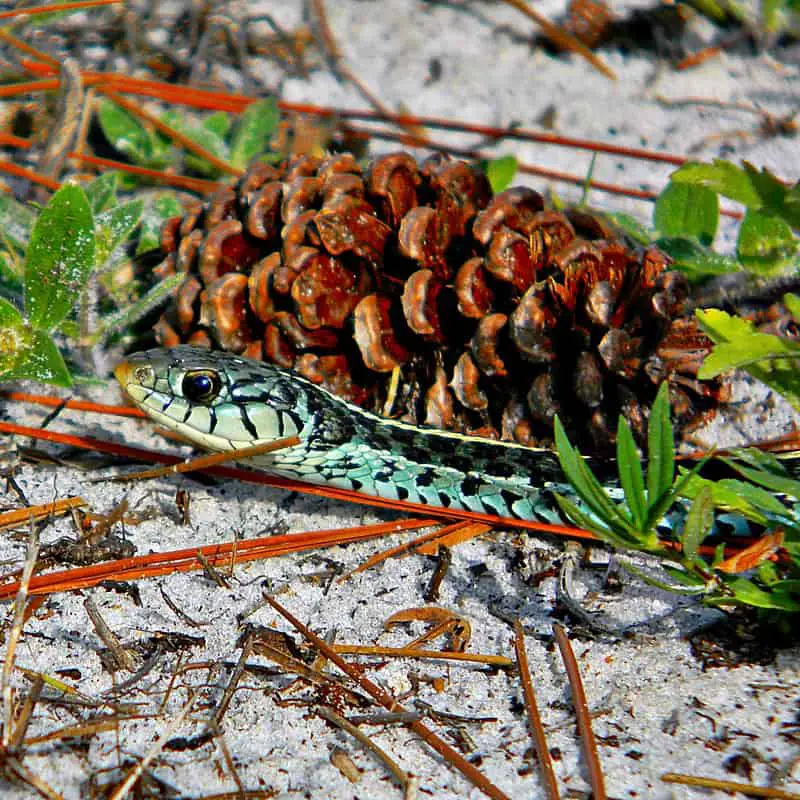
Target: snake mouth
[[122, 373]]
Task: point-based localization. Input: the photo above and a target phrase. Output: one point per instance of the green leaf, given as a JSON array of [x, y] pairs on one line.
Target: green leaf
[[40, 360], [206, 137], [500, 172], [698, 523], [766, 244], [61, 255], [10, 318], [640, 233], [660, 449], [585, 484], [254, 131], [102, 192], [164, 207], [792, 302], [630, 473], [721, 177], [219, 123], [113, 227], [694, 260], [769, 480], [685, 209], [747, 593], [588, 523], [724, 497], [124, 132], [16, 221]]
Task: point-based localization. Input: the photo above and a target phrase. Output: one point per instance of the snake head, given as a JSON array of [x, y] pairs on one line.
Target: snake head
[[217, 400]]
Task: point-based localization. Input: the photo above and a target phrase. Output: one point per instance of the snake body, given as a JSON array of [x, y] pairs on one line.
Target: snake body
[[222, 402]]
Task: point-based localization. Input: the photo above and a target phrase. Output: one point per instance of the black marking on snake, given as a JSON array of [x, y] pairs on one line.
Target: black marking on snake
[[426, 477], [212, 412], [402, 492], [188, 413], [444, 500], [247, 422], [167, 404]]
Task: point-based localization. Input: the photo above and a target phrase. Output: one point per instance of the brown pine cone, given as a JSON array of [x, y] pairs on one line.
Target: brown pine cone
[[498, 312]]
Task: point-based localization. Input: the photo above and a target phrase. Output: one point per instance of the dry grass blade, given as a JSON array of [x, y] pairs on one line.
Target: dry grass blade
[[137, 772], [582, 716], [534, 719], [729, 786], [407, 781], [15, 518], [416, 652], [561, 38], [475, 776]]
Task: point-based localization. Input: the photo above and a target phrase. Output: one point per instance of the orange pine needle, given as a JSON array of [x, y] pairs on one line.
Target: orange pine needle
[[76, 405], [20, 516], [154, 564], [49, 9]]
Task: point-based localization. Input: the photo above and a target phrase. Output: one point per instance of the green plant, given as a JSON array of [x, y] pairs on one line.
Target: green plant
[[768, 357], [77, 238], [235, 143], [686, 217], [632, 522], [500, 172]]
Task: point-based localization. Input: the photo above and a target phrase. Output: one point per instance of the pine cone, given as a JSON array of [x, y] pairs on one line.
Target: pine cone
[[499, 312]]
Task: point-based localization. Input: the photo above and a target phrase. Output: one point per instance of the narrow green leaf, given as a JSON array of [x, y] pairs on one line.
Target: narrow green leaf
[[585, 484], [766, 244], [16, 221], [775, 483], [60, 257], [698, 523], [630, 473], [133, 313], [640, 233], [688, 210], [588, 523], [102, 192], [254, 131], [724, 498], [721, 177], [113, 227], [696, 261], [747, 593], [660, 449], [501, 172]]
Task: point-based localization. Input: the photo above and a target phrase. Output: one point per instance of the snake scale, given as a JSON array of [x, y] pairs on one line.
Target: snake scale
[[225, 402]]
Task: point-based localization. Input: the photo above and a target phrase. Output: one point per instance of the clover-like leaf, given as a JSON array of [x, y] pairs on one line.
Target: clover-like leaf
[[60, 257], [766, 243], [687, 210]]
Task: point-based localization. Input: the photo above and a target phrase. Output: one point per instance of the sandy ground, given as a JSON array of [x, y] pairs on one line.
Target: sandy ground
[[656, 707]]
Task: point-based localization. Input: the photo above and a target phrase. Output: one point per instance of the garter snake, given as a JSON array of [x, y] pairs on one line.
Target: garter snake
[[225, 402]]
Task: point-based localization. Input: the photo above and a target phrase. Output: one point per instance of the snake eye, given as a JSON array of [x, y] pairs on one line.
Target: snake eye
[[200, 385]]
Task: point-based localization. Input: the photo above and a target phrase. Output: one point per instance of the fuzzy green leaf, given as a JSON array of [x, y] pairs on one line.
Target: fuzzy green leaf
[[124, 132], [164, 207], [766, 244], [660, 449], [688, 210], [16, 221], [60, 258], [698, 523], [205, 136], [254, 131], [500, 172], [113, 227], [102, 192], [41, 361], [631, 477]]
